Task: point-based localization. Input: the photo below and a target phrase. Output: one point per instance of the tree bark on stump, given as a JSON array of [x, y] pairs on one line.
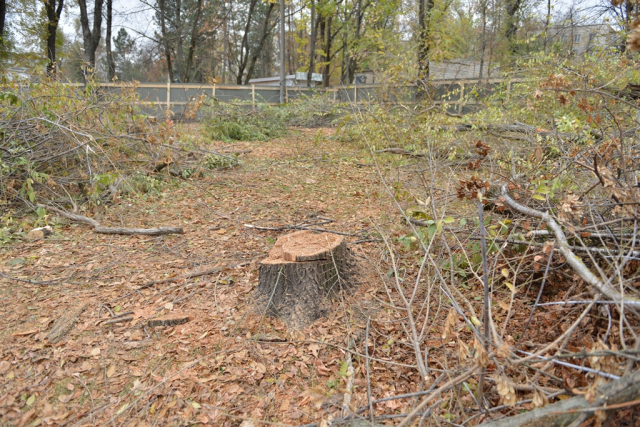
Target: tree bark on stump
[[303, 271]]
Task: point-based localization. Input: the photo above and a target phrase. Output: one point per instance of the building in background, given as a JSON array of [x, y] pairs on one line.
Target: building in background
[[579, 39], [453, 69], [298, 79]]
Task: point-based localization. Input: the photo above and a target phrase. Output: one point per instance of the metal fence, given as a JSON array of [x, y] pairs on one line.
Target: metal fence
[[461, 96]]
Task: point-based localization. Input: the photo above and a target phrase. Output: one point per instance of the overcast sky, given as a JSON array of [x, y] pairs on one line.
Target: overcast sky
[[135, 16]]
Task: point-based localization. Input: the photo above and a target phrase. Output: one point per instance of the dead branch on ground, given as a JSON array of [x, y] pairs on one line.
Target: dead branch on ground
[[618, 394], [572, 259], [114, 230]]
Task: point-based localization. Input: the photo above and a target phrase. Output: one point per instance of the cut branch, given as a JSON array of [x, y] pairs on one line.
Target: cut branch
[[513, 128], [624, 390], [605, 251], [114, 230], [402, 152], [574, 261]]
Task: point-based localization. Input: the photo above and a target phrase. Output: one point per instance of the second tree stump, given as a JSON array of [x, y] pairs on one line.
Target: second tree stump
[[302, 271]]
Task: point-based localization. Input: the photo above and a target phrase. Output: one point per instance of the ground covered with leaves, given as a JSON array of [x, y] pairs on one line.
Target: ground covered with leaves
[[228, 361]]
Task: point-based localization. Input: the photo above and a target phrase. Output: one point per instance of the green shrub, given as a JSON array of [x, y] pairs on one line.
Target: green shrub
[[243, 122]]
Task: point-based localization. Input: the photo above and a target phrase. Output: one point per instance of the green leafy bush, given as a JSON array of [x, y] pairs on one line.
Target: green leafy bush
[[243, 122]]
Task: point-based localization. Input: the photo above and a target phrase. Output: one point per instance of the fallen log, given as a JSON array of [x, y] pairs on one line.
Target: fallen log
[[302, 271], [608, 397], [114, 230]]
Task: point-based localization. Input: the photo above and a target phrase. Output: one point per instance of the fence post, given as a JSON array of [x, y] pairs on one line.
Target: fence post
[[214, 90], [253, 95], [355, 95], [286, 92], [168, 93]]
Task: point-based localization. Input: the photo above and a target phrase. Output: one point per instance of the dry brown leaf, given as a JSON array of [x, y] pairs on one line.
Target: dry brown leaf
[[482, 358], [285, 405], [506, 390], [314, 348], [64, 398], [111, 370], [448, 331], [463, 350], [47, 411], [26, 417]]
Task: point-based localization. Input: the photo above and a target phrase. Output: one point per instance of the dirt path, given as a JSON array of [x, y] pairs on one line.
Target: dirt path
[[226, 363]]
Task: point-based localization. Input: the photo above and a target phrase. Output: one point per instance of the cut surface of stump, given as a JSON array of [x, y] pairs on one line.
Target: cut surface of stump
[[304, 269]]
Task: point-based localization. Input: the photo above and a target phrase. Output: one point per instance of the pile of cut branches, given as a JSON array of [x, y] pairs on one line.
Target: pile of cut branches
[[516, 276], [70, 146]]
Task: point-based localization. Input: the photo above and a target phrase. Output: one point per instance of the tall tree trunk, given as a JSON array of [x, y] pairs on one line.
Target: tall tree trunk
[[312, 43], [291, 52], [111, 66], [513, 6], [424, 18], [3, 13], [327, 53], [193, 42], [266, 30], [283, 82], [244, 46], [225, 44], [165, 39], [179, 47], [91, 36], [353, 61], [53, 18], [344, 71], [546, 25], [483, 37]]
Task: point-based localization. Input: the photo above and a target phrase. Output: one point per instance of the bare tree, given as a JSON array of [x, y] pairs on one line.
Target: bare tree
[[53, 11], [91, 35], [165, 39], [193, 42], [424, 18], [111, 66], [244, 46], [266, 30], [512, 9], [483, 36], [312, 43]]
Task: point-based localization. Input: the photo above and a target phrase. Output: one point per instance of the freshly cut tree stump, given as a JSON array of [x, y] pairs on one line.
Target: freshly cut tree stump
[[303, 271]]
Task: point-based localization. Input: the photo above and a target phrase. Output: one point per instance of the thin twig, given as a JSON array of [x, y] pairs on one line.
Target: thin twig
[[576, 263], [452, 383], [114, 230]]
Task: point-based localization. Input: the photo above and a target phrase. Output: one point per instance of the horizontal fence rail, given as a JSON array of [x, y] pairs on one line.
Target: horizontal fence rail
[[461, 96]]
